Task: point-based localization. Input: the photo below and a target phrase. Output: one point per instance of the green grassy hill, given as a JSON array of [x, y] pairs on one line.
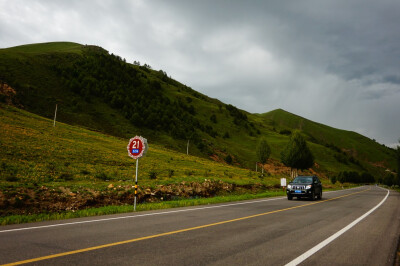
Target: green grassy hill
[[101, 91], [35, 151], [349, 146], [45, 48], [67, 168]]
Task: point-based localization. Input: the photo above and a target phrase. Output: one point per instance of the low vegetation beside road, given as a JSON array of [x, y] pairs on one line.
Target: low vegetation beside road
[[68, 169]]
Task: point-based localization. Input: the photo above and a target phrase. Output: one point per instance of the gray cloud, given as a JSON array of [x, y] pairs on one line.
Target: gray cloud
[[394, 79], [332, 61]]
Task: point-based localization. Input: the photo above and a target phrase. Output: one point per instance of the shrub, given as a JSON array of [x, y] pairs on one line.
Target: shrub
[[10, 172], [228, 159], [66, 176], [102, 176], [12, 178], [285, 132], [3, 98], [228, 174], [189, 172], [389, 179], [153, 175], [52, 168], [18, 203], [85, 172], [207, 172], [213, 118], [170, 173], [355, 177], [341, 158], [367, 178]]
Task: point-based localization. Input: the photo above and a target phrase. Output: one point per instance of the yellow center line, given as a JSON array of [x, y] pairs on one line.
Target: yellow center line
[[170, 233]]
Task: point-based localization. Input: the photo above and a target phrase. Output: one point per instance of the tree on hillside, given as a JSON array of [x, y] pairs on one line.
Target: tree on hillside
[[296, 154], [263, 153], [228, 159]]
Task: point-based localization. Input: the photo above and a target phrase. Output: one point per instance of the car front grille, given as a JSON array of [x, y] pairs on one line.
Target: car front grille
[[299, 187]]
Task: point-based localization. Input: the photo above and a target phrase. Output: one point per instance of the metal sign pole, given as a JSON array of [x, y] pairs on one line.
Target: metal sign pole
[[137, 147], [136, 186], [55, 116]]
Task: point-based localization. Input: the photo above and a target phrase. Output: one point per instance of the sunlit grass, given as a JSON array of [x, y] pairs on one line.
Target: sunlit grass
[[36, 154]]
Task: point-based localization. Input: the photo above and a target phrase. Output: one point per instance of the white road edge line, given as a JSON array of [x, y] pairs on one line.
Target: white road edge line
[[148, 214], [321, 245]]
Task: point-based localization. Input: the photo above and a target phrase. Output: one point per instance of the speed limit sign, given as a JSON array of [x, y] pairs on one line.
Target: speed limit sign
[[137, 147]]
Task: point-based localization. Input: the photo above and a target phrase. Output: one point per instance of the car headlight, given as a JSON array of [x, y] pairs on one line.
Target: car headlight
[[289, 186], [308, 186]]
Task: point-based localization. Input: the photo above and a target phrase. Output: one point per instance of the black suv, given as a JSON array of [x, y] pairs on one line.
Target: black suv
[[304, 186]]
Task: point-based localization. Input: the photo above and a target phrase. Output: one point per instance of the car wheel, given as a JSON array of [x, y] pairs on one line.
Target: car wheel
[[312, 195], [289, 197], [319, 195]]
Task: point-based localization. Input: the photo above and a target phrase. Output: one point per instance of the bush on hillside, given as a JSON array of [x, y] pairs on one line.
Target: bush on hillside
[[355, 177], [228, 159]]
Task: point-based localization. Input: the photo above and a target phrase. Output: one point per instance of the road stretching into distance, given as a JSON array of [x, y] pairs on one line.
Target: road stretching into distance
[[358, 226]]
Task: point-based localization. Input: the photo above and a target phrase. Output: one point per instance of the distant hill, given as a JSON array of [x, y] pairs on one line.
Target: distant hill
[[102, 91], [351, 144]]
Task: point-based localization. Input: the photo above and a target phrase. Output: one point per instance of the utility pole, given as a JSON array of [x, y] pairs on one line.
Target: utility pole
[[187, 148], [55, 116]]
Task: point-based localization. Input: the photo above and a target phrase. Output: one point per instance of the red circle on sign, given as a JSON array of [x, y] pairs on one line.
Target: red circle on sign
[[136, 147]]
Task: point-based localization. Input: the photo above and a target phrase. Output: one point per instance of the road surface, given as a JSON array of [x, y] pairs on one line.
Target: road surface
[[359, 226]]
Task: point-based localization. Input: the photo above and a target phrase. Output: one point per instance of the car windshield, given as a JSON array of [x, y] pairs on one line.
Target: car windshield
[[302, 179]]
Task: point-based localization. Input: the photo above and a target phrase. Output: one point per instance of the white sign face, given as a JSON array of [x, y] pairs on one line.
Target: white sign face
[[283, 182]]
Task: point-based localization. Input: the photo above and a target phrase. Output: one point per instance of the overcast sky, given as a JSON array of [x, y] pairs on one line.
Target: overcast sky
[[336, 62]]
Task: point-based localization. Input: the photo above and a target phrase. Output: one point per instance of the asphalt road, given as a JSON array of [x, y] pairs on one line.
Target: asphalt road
[[271, 231]]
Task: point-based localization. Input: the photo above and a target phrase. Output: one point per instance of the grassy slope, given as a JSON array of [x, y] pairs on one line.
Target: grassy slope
[[45, 48], [354, 144], [36, 156], [36, 152], [27, 67]]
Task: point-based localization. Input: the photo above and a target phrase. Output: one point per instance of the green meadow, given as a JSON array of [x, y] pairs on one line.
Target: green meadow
[[35, 151], [35, 154]]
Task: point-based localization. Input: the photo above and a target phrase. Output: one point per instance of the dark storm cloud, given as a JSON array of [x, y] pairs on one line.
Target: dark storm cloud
[[335, 61], [394, 79]]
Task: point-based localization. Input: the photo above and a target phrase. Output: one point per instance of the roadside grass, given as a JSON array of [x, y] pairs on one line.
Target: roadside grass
[[394, 187], [36, 154], [107, 210]]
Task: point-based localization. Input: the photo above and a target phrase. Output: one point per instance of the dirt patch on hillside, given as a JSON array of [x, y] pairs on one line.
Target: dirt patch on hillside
[[8, 95], [42, 199], [276, 168]]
